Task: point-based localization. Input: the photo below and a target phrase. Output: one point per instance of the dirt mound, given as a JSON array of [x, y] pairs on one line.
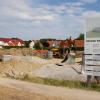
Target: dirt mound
[[14, 51], [17, 67]]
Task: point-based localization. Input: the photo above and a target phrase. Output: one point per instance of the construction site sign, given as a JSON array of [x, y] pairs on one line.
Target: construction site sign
[[92, 47]]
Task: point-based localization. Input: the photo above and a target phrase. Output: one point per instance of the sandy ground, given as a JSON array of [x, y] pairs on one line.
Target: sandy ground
[[19, 90], [24, 67], [42, 68], [45, 61], [7, 93], [65, 72], [19, 66]]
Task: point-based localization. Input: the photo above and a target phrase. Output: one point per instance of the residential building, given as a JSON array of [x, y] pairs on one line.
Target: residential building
[[31, 45], [54, 43], [79, 43], [11, 42]]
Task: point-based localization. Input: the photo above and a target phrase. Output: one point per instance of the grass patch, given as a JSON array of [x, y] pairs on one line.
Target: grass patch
[[54, 82], [63, 83]]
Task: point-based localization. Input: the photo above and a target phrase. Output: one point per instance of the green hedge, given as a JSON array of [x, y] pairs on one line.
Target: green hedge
[[78, 49], [9, 47]]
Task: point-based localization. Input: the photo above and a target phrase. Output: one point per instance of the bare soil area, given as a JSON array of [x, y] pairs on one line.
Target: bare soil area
[[19, 68], [19, 90], [14, 94], [14, 51]]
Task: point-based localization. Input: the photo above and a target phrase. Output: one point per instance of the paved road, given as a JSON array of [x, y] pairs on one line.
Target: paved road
[[66, 93]]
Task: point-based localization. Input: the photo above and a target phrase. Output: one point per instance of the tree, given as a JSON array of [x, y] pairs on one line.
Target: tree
[[38, 46], [27, 43], [81, 37], [44, 43]]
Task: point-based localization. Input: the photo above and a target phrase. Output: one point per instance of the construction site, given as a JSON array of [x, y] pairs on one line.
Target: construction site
[[18, 64], [49, 49]]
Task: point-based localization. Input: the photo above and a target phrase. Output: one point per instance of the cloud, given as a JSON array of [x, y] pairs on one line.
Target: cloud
[[25, 19], [91, 14], [88, 1], [20, 9]]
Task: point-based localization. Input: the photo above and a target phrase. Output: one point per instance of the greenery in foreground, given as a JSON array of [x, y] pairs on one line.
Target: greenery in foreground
[[63, 83]]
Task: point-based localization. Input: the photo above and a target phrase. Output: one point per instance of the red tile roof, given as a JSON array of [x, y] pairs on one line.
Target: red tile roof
[[79, 43], [5, 39], [15, 42], [40, 51], [12, 41], [21, 41], [10, 44], [64, 44]]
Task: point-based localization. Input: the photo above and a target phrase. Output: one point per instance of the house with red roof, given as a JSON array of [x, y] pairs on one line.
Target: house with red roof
[[11, 42], [54, 43], [79, 43], [72, 43], [64, 44], [67, 43]]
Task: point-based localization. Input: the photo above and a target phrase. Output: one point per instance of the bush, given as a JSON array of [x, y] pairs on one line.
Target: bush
[[78, 49], [38, 46], [27, 43], [9, 47]]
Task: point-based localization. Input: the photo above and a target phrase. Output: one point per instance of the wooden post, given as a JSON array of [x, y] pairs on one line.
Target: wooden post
[[89, 77], [97, 78]]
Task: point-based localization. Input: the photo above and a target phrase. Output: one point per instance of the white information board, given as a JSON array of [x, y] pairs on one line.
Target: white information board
[[92, 47]]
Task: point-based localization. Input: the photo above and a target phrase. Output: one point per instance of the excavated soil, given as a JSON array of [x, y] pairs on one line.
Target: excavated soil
[[14, 51]]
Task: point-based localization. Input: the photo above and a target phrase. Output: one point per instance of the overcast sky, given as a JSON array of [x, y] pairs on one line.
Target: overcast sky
[[93, 23], [35, 19]]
